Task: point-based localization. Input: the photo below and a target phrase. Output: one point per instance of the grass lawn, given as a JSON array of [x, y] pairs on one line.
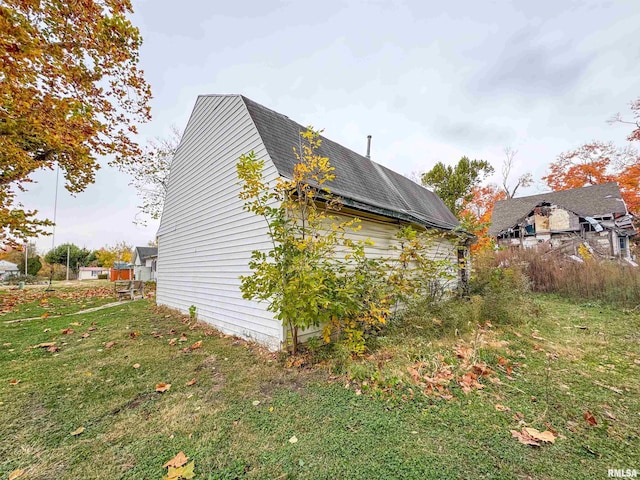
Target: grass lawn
[[376, 424], [63, 299]]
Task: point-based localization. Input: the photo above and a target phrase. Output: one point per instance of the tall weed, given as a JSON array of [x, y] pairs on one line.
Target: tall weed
[[593, 280]]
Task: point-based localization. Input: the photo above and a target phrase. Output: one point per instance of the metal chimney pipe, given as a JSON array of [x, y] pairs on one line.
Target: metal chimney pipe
[[369, 146]]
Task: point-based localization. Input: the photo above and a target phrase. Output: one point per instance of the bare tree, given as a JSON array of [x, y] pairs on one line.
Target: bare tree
[[524, 180], [415, 176], [151, 175]]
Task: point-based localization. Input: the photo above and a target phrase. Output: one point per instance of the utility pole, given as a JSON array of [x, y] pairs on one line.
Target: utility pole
[[68, 250], [26, 256]]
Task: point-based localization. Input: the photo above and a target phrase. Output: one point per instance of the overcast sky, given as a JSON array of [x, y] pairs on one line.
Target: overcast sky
[[431, 81]]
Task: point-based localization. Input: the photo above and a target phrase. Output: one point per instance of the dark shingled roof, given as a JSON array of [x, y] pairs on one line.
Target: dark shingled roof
[[146, 252], [593, 201], [360, 182]]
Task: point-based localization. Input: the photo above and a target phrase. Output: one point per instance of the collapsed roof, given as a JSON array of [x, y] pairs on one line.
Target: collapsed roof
[[595, 201]]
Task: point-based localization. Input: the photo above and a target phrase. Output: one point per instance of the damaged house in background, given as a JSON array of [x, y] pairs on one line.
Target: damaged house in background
[[595, 217]]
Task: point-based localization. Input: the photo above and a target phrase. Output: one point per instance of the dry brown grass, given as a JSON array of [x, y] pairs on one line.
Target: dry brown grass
[[592, 281]]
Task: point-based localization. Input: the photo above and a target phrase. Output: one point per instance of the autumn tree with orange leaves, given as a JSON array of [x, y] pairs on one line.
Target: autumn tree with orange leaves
[[70, 90], [601, 162], [476, 216]]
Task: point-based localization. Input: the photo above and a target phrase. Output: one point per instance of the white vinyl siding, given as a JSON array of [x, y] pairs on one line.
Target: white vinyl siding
[[205, 239]]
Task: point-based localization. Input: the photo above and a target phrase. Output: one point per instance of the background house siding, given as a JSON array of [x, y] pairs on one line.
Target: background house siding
[[205, 239]]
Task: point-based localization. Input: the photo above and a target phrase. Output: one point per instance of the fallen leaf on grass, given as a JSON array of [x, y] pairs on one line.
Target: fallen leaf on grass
[[136, 365], [533, 437], [462, 352], [502, 408], [185, 472], [176, 462], [163, 387], [173, 341], [16, 474], [76, 324], [546, 436], [14, 381], [52, 349], [45, 345], [524, 438], [77, 431], [134, 334], [196, 345], [415, 376], [293, 439], [589, 417], [46, 330], [183, 338], [481, 369], [68, 331], [91, 329], [109, 344], [86, 335], [255, 403], [191, 382], [44, 315], [469, 381]]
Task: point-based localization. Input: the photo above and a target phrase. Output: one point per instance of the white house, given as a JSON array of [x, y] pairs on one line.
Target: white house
[[205, 239], [7, 269], [144, 263], [91, 273]]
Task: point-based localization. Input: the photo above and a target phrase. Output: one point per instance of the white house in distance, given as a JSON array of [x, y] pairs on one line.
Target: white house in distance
[[205, 239], [144, 263], [91, 273], [7, 269]]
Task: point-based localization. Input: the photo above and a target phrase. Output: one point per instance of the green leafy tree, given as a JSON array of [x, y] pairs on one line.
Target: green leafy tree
[[34, 265], [454, 184], [78, 257]]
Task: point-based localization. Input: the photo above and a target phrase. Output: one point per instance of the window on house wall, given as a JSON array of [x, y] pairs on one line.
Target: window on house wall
[[624, 243]]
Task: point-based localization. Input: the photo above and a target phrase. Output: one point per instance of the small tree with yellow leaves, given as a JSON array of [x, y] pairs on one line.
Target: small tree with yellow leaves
[[297, 275], [314, 274]]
